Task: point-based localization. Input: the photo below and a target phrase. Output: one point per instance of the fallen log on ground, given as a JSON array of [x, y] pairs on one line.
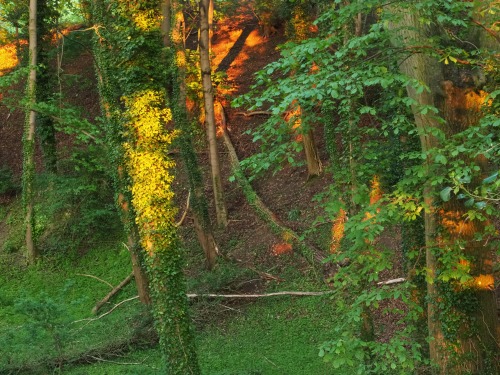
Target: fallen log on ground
[[314, 256], [115, 290]]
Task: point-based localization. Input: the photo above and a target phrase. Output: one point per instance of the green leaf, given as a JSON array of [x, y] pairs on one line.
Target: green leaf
[[441, 159], [480, 205], [445, 193], [490, 179]]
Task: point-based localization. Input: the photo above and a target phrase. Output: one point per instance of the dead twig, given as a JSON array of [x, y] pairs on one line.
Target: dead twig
[[254, 113], [90, 320], [179, 223], [112, 293], [95, 277]]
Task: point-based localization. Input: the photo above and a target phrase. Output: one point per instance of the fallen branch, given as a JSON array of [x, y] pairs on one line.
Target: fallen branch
[[179, 223], [89, 320], [114, 362], [112, 293], [95, 277], [211, 295], [313, 257], [254, 113], [393, 281]]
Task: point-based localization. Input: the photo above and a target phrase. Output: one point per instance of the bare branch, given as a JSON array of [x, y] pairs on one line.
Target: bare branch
[[95, 277], [254, 113], [112, 293], [179, 223], [393, 281]]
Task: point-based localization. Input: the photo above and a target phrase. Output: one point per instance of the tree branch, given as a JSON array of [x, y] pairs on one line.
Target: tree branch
[[95, 277], [112, 293]]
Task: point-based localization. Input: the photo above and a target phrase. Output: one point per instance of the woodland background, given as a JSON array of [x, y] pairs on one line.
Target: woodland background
[[251, 187]]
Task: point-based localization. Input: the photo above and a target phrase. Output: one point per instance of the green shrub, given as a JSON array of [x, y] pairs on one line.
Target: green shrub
[[7, 184]]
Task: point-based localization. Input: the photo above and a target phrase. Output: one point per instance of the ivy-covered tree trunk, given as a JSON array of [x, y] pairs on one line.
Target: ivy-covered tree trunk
[[422, 68], [137, 67], [464, 336], [109, 106], [152, 197], [198, 202], [29, 137], [206, 76], [47, 19]]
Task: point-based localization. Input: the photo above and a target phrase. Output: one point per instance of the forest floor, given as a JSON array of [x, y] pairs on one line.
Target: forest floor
[[279, 337]]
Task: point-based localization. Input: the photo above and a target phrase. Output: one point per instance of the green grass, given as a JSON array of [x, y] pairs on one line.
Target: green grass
[[45, 314], [273, 337], [49, 303]]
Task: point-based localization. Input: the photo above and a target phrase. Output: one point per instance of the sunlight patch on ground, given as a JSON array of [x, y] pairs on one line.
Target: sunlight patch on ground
[[224, 45], [254, 39]]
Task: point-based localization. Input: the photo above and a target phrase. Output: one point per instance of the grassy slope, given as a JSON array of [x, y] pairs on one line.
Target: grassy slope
[[279, 335]]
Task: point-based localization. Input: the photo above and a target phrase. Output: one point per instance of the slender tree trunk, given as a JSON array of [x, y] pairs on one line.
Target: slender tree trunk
[[29, 137], [133, 241], [47, 22], [166, 21], [210, 24], [220, 205], [202, 224]]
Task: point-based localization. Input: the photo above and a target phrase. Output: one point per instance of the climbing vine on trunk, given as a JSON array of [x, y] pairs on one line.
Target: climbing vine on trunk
[[136, 66]]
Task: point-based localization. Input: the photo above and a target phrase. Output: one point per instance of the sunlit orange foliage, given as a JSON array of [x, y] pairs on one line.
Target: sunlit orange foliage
[[339, 221], [375, 195], [338, 231], [456, 223], [484, 282], [295, 115], [281, 248], [8, 57]]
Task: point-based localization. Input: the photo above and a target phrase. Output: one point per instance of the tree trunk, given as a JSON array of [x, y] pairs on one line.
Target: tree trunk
[[461, 354], [210, 24], [47, 21], [166, 21], [150, 173], [29, 137], [220, 205], [143, 127], [133, 243], [421, 67], [119, 177], [314, 167], [202, 224]]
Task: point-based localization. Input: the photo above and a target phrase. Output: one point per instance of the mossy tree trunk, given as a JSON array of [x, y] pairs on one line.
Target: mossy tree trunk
[[47, 21], [110, 106], [137, 66], [29, 137], [198, 202], [474, 346]]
